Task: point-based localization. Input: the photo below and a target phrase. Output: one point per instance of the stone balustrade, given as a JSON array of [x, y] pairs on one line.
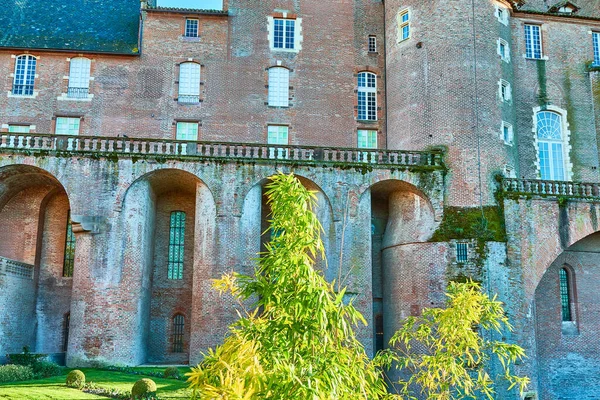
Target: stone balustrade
[[196, 150], [16, 268], [536, 187]]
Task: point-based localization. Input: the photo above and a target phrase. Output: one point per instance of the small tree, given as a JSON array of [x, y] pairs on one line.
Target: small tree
[[298, 341], [443, 354]]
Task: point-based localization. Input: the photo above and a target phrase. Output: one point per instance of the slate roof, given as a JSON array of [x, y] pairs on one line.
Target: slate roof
[[587, 8], [104, 26]]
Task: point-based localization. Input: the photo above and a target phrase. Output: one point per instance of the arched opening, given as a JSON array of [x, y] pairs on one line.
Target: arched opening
[[401, 218], [160, 213], [36, 260], [567, 319]]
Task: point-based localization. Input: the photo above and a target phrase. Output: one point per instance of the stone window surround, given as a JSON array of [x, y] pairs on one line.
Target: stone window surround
[[506, 57], [511, 133], [12, 75], [90, 96], [570, 328], [298, 38], [178, 63], [502, 17], [400, 25], [543, 32], [566, 139], [508, 97]]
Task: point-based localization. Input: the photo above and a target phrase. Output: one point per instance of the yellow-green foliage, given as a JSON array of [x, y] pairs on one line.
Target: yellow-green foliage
[[76, 379], [297, 342], [445, 352], [143, 389]]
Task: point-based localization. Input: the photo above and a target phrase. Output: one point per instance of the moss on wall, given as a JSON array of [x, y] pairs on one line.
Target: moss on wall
[[471, 223], [542, 97]]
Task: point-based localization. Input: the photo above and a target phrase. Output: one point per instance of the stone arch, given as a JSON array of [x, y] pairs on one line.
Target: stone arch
[[567, 349], [34, 210]]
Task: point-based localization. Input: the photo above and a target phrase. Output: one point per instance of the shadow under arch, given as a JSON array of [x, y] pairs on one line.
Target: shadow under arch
[[38, 267], [567, 311]]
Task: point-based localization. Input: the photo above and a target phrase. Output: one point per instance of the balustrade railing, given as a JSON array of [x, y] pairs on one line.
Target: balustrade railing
[[124, 146], [536, 187], [16, 268], [78, 92]]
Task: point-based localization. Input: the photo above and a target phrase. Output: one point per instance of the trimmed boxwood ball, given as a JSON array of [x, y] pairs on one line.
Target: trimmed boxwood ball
[[76, 379], [143, 389], [171, 372]]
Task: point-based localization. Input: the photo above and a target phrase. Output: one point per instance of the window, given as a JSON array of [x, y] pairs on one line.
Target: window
[[19, 128], [504, 90], [284, 31], [176, 245], [177, 335], [551, 148], [191, 28], [67, 126], [509, 171], [367, 139], [507, 133], [533, 41], [502, 14], [379, 341], [596, 43], [69, 258], [503, 50], [279, 87], [462, 252], [403, 25], [367, 96], [565, 295], [278, 135], [187, 131], [24, 75], [66, 322], [189, 83], [372, 44], [79, 78]]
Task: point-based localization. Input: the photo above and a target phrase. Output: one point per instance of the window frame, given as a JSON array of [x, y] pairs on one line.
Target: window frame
[[69, 249], [297, 32], [27, 76], [68, 132], [282, 153], [404, 24], [566, 294], [278, 87], [176, 249], [504, 56], [367, 108], [189, 92], [564, 141], [372, 44], [187, 29], [511, 135], [82, 90], [183, 136], [12, 126], [502, 14], [505, 91], [462, 252], [596, 48], [530, 45], [178, 333]]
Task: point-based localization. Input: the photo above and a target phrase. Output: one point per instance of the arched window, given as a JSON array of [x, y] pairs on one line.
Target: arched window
[[189, 83], [24, 75], [279, 86], [69, 258], [79, 77], [551, 147], [176, 245], [367, 96], [177, 333], [565, 294]]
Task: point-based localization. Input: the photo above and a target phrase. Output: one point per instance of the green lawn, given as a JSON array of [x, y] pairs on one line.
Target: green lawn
[[54, 388]]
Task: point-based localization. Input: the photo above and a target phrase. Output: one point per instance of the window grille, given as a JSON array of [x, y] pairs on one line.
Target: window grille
[[66, 322], [191, 28], [284, 31], [176, 245], [69, 258], [372, 44], [565, 295], [462, 252], [24, 75], [367, 96], [189, 83], [533, 41], [79, 78], [279, 87], [178, 331]]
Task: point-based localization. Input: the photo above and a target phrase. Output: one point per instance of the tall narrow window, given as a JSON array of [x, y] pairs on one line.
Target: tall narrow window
[[24, 75], [177, 334], [596, 43], [284, 31], [278, 135], [462, 252], [79, 78], [66, 322], [502, 14], [503, 50], [67, 126], [379, 341], [533, 41], [367, 96], [279, 87], [191, 28], [565, 295], [189, 83], [403, 25], [176, 245], [507, 133], [69, 258], [551, 148], [372, 44]]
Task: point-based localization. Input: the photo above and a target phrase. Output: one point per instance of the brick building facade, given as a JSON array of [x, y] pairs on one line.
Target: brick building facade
[[444, 140]]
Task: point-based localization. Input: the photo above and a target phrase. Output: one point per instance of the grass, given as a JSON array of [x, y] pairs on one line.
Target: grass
[[54, 388]]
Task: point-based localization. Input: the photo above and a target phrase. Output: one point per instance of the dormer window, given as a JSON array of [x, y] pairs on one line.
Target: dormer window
[[564, 7]]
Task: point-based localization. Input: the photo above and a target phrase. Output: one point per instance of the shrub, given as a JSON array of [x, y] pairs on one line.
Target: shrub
[[13, 373], [46, 369], [144, 389], [25, 358], [172, 372], [76, 379]]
